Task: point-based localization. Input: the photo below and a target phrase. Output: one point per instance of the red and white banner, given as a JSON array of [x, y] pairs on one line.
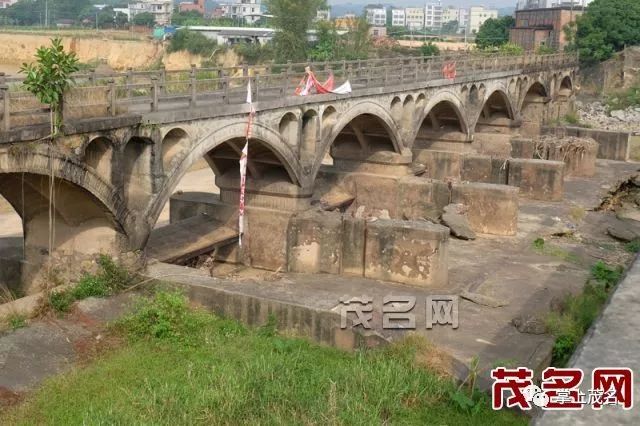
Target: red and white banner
[[244, 158], [310, 82]]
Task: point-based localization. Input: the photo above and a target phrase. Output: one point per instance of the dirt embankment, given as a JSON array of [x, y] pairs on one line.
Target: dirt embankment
[[139, 53]]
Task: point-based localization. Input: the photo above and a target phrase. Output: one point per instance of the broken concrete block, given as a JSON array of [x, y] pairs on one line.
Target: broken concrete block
[[440, 165], [522, 148], [481, 299], [477, 168], [314, 241], [407, 252], [537, 179], [624, 230], [491, 209], [418, 198], [454, 218]]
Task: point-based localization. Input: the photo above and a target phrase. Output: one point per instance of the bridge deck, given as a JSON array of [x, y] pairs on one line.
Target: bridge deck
[[189, 238]]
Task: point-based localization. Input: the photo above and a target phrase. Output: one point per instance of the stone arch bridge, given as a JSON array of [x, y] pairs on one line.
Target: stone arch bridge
[[129, 138]]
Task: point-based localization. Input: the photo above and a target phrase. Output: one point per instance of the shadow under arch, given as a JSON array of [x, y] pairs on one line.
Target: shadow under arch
[[221, 150]]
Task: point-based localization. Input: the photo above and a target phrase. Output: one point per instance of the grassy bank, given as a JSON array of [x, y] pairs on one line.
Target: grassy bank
[[180, 366]]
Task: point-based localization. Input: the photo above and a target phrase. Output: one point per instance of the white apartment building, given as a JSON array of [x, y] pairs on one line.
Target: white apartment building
[[433, 15], [376, 16], [477, 16], [398, 18], [455, 14], [248, 10], [161, 10], [6, 3], [323, 15], [414, 17]]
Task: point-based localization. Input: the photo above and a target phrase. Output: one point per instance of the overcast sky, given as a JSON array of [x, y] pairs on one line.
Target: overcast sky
[[488, 3]]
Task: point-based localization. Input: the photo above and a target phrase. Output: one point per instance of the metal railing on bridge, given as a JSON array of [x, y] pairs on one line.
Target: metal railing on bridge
[[96, 95]]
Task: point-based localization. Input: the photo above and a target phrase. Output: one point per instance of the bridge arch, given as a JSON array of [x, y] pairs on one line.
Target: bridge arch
[[360, 131], [532, 103], [289, 128], [496, 107], [89, 214], [442, 118], [221, 150], [565, 90]]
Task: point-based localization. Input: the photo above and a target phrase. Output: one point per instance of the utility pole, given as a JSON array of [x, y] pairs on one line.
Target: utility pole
[[46, 13]]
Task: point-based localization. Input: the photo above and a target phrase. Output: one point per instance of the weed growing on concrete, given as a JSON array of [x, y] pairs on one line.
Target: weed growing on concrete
[[542, 247], [580, 311], [228, 374], [110, 279], [17, 321], [633, 246]]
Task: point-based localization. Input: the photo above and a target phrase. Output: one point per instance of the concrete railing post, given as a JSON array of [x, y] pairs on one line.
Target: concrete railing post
[[256, 88], [154, 93], [3, 78], [226, 88], [112, 97], [193, 86], [6, 109], [245, 69], [163, 80], [129, 81], [401, 71], [92, 76]]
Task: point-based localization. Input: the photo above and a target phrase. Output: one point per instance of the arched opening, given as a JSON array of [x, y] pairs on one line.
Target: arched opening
[[82, 226], [329, 119], [11, 250], [493, 129], [533, 104], [172, 144], [138, 176], [566, 88], [98, 155], [474, 94], [309, 133], [443, 128], [365, 134], [396, 109], [289, 128], [421, 102]]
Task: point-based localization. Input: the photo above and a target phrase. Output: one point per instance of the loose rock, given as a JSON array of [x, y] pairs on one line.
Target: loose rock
[[453, 217], [529, 324], [481, 299]]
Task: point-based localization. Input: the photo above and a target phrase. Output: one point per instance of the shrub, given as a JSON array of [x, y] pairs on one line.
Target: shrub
[[193, 42], [61, 301], [17, 321], [429, 49]]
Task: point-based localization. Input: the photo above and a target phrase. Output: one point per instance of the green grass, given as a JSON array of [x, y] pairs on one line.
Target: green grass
[[110, 279], [190, 367], [540, 245], [580, 312], [633, 246], [17, 321]]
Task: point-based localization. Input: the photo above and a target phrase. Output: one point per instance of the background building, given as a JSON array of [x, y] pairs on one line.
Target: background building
[[249, 11], [542, 27], [477, 16], [6, 3], [433, 15], [161, 10], [545, 4], [398, 18], [414, 17], [376, 15], [197, 5]]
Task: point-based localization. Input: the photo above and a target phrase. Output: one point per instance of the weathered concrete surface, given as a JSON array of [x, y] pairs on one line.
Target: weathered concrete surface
[[491, 209], [409, 252], [613, 145], [611, 342], [47, 347], [315, 242], [537, 179]]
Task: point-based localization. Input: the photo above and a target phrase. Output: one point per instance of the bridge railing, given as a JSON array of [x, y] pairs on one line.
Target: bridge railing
[[111, 94]]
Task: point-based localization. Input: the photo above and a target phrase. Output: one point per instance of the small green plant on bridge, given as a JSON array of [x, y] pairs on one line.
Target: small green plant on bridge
[[50, 77]]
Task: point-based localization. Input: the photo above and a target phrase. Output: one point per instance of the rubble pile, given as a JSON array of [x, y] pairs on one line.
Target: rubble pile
[[579, 154], [597, 115]]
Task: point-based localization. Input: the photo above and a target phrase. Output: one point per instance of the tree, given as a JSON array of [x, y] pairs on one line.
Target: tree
[[144, 19], [193, 42], [191, 17], [607, 27], [292, 19], [429, 49], [50, 77], [494, 32]]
